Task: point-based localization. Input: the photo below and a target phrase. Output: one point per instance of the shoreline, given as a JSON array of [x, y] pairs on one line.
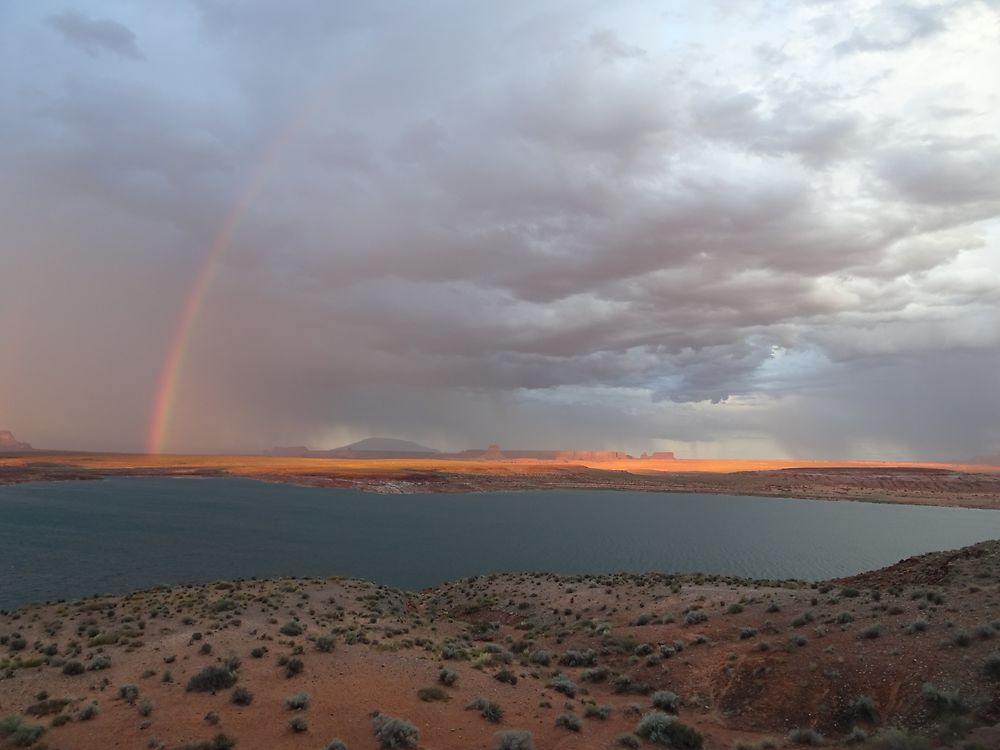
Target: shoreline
[[938, 485]]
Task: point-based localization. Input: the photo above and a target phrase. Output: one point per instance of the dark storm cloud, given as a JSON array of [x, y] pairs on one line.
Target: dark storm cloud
[[533, 223], [95, 35]]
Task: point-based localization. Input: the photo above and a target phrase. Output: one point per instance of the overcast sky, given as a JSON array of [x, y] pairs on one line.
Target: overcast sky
[[756, 229]]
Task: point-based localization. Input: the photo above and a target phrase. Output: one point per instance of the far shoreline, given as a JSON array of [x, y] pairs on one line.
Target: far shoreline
[[929, 484]]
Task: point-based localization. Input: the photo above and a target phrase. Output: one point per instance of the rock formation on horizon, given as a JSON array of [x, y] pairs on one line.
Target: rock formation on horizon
[[375, 447], [10, 444]]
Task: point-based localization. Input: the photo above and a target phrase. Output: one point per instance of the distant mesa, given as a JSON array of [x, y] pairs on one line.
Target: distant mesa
[[10, 444], [376, 447], [394, 448]]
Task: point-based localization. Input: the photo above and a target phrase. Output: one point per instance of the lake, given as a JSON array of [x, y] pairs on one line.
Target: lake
[[73, 539]]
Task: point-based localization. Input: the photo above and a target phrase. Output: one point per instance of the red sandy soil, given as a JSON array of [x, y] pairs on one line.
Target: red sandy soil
[[858, 639], [917, 483]]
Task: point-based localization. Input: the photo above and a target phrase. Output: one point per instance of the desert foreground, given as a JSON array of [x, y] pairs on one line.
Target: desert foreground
[[964, 485], [901, 658]]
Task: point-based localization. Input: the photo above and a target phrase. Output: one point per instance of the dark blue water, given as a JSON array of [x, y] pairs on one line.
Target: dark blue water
[[73, 539]]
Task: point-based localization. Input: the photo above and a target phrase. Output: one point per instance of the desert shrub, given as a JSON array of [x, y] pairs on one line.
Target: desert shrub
[[942, 701], [447, 677], [804, 619], [575, 658], [88, 712], [298, 724], [514, 739], [392, 732], [326, 643], [145, 707], [961, 639], [128, 693], [569, 722], [595, 674], [241, 697], [593, 711], [506, 676], [336, 744], [73, 668], [489, 710], [747, 633], [258, 653], [628, 740], [293, 667], [623, 683], [665, 701], [892, 738], [210, 679], [541, 657], [695, 617], [18, 733], [992, 665], [664, 729], [804, 736], [297, 702], [46, 705], [872, 632], [863, 708], [99, 662], [849, 592], [430, 694], [292, 628], [917, 626], [219, 742], [562, 684]]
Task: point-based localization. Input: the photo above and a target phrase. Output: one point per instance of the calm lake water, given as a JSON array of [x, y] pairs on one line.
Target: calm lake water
[[73, 539]]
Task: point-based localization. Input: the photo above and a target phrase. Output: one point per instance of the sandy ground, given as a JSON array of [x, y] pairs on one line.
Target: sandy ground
[[762, 658], [927, 483]]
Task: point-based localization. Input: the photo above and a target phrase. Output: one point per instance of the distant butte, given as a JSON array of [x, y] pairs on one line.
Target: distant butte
[[394, 448], [10, 444]]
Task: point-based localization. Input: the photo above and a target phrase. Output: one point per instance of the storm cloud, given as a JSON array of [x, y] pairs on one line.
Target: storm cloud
[[735, 229]]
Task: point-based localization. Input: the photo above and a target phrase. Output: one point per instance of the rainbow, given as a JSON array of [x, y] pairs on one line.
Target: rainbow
[[166, 389]]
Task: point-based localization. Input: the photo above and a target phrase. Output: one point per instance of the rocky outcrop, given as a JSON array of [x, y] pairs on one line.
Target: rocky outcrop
[[10, 444]]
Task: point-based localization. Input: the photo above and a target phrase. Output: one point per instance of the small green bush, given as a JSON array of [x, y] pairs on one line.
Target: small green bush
[[88, 712], [489, 710], [577, 658], [297, 702], [663, 729], [447, 677], [569, 722], [562, 684], [514, 739], [666, 701], [211, 679], [804, 736], [392, 732], [73, 668], [594, 711], [292, 628], [430, 694]]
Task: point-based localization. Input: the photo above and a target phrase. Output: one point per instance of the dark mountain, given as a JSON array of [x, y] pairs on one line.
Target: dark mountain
[[387, 445], [376, 447]]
